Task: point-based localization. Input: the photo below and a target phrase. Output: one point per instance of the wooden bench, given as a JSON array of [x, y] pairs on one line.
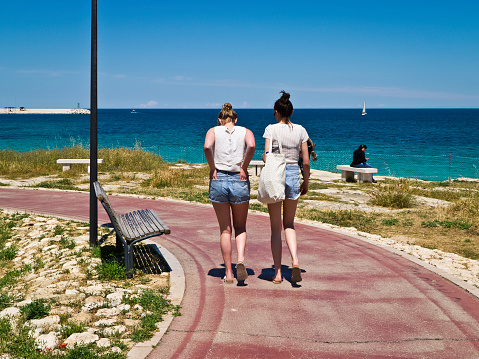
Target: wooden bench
[[68, 162], [364, 174], [131, 227], [257, 165]]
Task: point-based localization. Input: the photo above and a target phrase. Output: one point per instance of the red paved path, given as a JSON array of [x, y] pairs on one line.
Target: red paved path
[[357, 300]]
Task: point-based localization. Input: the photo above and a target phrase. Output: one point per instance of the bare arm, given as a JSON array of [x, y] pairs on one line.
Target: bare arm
[[306, 168], [266, 149], [208, 150], [250, 148]]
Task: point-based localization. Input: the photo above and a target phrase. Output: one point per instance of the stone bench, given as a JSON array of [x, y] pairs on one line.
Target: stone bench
[[364, 174], [131, 227], [257, 165], [68, 162]]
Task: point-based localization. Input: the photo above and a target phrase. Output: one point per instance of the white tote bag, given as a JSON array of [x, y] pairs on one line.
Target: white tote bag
[[273, 175]]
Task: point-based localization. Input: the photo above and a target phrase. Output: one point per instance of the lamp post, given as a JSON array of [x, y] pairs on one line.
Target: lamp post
[[93, 127]]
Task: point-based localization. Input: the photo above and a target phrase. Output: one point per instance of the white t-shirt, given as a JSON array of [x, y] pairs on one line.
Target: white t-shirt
[[292, 136], [229, 148]]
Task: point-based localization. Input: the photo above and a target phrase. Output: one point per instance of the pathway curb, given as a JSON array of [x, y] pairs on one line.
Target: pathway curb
[[177, 291]]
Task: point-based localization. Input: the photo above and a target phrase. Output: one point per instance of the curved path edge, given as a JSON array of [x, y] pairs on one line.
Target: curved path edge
[[457, 281], [177, 291]]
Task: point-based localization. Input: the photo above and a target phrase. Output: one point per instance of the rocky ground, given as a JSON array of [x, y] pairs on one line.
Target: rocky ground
[[63, 271]]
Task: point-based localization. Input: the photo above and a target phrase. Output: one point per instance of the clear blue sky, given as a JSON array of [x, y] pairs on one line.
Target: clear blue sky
[[200, 54]]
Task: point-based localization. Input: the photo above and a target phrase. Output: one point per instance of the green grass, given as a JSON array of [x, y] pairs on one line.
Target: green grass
[[37, 309], [156, 306]]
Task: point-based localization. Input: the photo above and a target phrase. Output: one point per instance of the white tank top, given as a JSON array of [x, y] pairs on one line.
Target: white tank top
[[229, 148]]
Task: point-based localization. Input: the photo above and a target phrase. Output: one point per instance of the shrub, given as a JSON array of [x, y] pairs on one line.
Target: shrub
[[394, 195], [35, 310], [110, 269], [7, 254]]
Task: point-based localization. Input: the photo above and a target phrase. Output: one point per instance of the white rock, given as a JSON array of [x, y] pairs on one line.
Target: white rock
[[48, 248], [10, 312], [124, 307], [71, 291], [47, 321], [70, 264], [103, 342], [47, 341], [105, 322], [81, 338], [115, 298], [95, 289], [91, 306], [108, 312], [118, 329]]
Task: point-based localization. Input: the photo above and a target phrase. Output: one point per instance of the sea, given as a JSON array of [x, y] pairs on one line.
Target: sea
[[430, 144]]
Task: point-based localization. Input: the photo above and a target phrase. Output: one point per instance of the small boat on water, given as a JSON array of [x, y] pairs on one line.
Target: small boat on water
[[133, 111], [364, 109]]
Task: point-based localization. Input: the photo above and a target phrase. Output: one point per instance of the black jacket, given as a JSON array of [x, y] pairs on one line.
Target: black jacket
[[358, 157]]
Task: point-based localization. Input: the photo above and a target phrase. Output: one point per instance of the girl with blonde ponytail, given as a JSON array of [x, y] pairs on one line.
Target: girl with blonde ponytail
[[229, 149]]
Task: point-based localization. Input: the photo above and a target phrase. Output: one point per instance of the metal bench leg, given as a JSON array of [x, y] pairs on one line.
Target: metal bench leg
[[119, 243], [129, 260]]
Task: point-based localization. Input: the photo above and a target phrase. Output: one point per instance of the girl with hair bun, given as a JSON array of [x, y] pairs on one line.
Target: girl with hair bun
[[229, 149], [294, 143]]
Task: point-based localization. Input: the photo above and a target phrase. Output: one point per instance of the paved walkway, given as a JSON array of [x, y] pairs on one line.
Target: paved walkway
[[357, 300]]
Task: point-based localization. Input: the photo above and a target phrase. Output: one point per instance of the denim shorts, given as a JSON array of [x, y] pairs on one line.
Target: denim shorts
[[293, 182], [228, 188]]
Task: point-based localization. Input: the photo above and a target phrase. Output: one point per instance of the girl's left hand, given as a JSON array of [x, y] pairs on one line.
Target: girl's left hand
[[304, 188]]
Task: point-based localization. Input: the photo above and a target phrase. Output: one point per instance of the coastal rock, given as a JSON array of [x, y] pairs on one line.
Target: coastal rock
[[80, 339], [108, 312], [118, 329], [105, 322], [82, 318], [10, 312], [103, 343], [47, 341], [45, 322]]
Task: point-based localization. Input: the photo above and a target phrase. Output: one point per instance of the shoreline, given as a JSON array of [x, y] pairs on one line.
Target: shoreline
[[44, 111]]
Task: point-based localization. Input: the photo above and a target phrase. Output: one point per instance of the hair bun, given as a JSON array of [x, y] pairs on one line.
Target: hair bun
[[285, 96], [227, 107]]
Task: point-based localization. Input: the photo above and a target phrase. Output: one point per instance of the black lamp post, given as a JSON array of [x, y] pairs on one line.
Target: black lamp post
[[93, 128]]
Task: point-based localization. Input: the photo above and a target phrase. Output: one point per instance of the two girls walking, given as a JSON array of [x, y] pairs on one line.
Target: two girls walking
[[228, 150]]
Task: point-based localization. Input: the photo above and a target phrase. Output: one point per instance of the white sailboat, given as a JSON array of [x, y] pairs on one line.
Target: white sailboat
[[364, 109]]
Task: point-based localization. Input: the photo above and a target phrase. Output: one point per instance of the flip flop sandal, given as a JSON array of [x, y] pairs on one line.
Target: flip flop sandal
[[296, 274], [231, 281], [241, 273], [275, 281]]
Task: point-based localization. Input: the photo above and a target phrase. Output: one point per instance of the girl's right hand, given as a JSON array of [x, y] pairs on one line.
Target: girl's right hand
[[213, 174]]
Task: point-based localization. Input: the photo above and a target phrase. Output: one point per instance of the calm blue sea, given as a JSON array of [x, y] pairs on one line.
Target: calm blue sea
[[423, 143]]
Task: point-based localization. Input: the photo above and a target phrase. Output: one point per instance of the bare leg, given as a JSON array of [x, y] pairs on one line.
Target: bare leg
[[224, 220], [240, 214], [289, 211], [274, 210]]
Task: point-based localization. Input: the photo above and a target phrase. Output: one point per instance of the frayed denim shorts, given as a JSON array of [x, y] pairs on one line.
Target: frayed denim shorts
[[228, 188], [293, 182]]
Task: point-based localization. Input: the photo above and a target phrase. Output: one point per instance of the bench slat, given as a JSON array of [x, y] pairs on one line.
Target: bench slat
[[147, 223], [141, 225], [159, 221], [131, 226], [153, 221]]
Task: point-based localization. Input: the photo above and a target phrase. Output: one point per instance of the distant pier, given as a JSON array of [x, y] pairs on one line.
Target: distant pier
[[43, 111]]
